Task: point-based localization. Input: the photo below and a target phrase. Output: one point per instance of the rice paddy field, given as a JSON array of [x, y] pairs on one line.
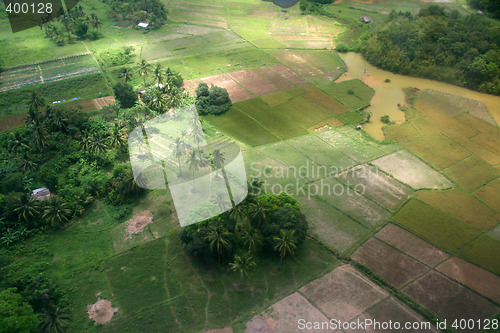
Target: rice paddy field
[[413, 210]]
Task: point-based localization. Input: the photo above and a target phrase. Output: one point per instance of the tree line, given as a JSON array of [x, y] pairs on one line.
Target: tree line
[[135, 11], [440, 45], [73, 24]]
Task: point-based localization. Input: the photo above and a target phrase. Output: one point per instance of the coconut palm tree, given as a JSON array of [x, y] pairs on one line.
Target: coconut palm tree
[[158, 73], [259, 213], [218, 161], [95, 22], [285, 243], [56, 212], [53, 320], [39, 136], [27, 163], [194, 163], [126, 74], [243, 265], [98, 144], [15, 143], [179, 147], [252, 239], [218, 237], [115, 137], [143, 69], [27, 208], [36, 102]]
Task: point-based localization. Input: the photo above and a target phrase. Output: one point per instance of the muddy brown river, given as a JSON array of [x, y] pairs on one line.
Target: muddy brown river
[[389, 94]]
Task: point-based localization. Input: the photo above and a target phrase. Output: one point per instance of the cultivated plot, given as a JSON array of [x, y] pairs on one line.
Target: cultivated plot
[[410, 170]]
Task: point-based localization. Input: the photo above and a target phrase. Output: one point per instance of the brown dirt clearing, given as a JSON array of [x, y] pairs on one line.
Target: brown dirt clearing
[[138, 223], [101, 311]]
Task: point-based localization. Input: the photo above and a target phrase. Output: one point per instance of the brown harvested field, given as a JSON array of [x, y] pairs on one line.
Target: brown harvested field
[[344, 293], [236, 92], [489, 194], [290, 75], [392, 265], [334, 122], [253, 82], [325, 100], [191, 85], [482, 152], [275, 78], [283, 316], [104, 101], [461, 205], [472, 173], [448, 299], [412, 245], [390, 309], [11, 122], [490, 141], [482, 281]]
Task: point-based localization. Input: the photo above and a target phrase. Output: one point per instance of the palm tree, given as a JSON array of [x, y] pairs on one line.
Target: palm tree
[[218, 161], [56, 212], [27, 163], [126, 74], [179, 148], [243, 265], [252, 239], [27, 208], [285, 243], [36, 101], [218, 237], [198, 136], [10, 237], [116, 138], [98, 144], [39, 136], [158, 101], [144, 69], [194, 163], [16, 143], [259, 212], [158, 73], [55, 119], [53, 320], [95, 22], [240, 214]]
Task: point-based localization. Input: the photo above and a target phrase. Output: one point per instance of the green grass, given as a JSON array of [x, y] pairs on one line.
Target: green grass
[[472, 173], [360, 98], [484, 252], [238, 125], [437, 149], [83, 87], [437, 227], [461, 205]]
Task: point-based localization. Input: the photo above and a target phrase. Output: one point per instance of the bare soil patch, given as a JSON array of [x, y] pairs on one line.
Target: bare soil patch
[[191, 85], [101, 311], [236, 92], [448, 299], [104, 101], [253, 82], [284, 315], [290, 75], [484, 282], [392, 265], [275, 78], [412, 245], [343, 293], [138, 223], [391, 309]]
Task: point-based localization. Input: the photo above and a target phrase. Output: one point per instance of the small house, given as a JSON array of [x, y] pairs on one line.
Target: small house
[[40, 193], [365, 19], [480, 13], [143, 25]]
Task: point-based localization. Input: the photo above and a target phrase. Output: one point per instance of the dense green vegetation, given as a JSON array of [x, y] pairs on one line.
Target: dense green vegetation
[[490, 6], [135, 11], [463, 50], [75, 23], [214, 100]]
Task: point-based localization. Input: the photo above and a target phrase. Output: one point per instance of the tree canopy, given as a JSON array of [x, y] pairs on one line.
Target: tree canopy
[[214, 100], [462, 50]]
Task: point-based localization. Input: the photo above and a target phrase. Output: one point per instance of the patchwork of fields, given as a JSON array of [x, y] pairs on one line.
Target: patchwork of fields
[[421, 210]]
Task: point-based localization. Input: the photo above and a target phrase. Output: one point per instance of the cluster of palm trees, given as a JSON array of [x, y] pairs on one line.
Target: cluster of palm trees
[[97, 143], [33, 214], [251, 216], [75, 22]]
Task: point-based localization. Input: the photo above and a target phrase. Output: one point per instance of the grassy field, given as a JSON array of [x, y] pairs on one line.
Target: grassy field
[[155, 285], [13, 102]]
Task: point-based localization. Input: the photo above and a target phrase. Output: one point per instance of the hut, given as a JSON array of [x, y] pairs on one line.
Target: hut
[[365, 19], [41, 193]]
